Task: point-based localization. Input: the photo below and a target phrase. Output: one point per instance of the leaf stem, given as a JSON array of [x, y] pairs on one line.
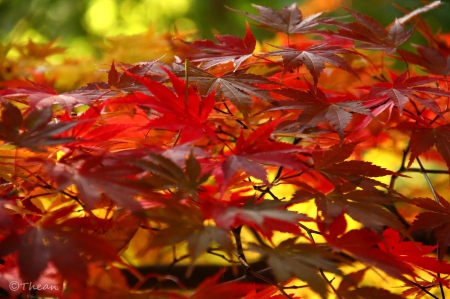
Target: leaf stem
[[329, 282], [438, 252], [186, 79]]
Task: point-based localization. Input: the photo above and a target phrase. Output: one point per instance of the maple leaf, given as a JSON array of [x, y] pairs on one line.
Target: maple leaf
[[167, 174], [369, 293], [412, 253], [119, 82], [424, 136], [86, 131], [123, 227], [210, 288], [257, 149], [355, 203], [314, 58], [95, 175], [372, 34], [331, 163], [189, 115], [431, 59], [418, 290], [229, 49], [35, 130], [153, 70], [39, 96], [363, 245], [436, 217], [290, 259], [237, 87], [265, 216], [289, 20], [318, 107], [46, 240], [186, 223], [402, 89], [268, 293]]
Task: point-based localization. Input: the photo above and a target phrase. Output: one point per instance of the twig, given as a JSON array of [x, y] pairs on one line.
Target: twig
[[329, 282], [239, 253], [211, 251], [424, 289], [437, 200]]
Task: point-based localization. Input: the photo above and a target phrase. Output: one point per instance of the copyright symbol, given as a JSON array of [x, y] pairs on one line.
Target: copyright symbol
[[14, 285]]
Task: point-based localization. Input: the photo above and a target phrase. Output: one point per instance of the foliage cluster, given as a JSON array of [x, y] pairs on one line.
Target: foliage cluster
[[240, 154]]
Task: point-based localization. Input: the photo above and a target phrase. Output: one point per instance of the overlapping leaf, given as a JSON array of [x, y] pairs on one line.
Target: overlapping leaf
[[402, 89], [229, 49], [332, 164], [424, 137], [290, 259], [319, 108], [237, 87], [314, 58], [362, 244], [437, 217], [35, 130], [43, 243], [265, 217], [413, 253], [189, 115], [39, 96], [431, 59], [257, 149], [92, 178], [288, 20], [186, 223], [372, 34], [167, 174]]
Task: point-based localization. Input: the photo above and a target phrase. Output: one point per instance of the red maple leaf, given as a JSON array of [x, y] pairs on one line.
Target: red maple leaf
[[314, 58], [437, 217], [43, 242], [258, 148], [319, 108], [189, 115], [363, 245], [424, 136], [34, 131], [412, 252], [265, 216], [229, 49], [238, 87], [401, 90], [39, 96], [211, 288], [431, 59], [93, 176], [372, 34], [289, 20]]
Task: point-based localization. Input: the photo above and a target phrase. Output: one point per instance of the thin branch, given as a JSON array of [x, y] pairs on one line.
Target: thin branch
[[241, 257], [329, 282], [424, 289], [430, 185], [186, 91], [309, 231], [176, 260], [296, 287], [211, 251], [436, 171], [249, 269]]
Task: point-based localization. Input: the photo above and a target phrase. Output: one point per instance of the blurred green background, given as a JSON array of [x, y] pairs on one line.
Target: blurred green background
[[90, 34], [80, 24]]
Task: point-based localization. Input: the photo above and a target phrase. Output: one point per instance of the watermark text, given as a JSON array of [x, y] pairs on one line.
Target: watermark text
[[29, 286]]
